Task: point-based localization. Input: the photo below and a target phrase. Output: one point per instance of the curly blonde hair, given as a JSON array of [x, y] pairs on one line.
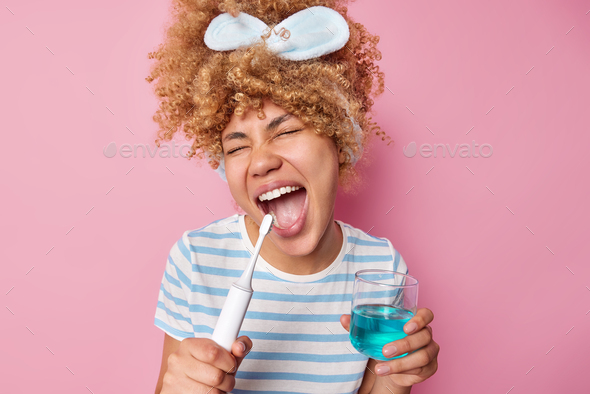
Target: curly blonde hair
[[200, 88]]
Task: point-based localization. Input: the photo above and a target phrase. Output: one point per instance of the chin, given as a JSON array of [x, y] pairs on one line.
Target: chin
[[297, 246]]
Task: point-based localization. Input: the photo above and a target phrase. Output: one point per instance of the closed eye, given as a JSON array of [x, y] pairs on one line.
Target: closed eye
[[288, 132], [235, 150]]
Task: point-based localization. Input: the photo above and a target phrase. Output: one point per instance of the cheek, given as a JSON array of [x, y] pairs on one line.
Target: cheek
[[235, 180], [317, 157], [235, 167]]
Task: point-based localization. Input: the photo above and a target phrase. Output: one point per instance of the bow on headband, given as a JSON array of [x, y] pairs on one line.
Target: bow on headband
[[309, 33]]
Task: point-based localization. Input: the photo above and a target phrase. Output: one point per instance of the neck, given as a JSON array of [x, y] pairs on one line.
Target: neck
[[319, 259]]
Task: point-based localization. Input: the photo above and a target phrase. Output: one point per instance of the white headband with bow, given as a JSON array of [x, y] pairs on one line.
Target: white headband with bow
[[309, 33]]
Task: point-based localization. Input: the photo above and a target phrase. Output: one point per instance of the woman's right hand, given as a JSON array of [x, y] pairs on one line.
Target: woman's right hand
[[200, 364]]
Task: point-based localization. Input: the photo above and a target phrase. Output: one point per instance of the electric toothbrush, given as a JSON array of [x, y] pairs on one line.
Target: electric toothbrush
[[237, 301]]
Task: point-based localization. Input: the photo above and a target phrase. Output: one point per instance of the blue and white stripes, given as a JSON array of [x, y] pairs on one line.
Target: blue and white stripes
[[293, 320]]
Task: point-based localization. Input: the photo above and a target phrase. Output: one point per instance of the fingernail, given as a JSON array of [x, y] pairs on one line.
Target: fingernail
[[410, 328], [243, 346], [389, 351], [382, 370]]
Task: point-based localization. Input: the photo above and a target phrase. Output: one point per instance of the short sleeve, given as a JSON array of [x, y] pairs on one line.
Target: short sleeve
[[173, 312], [399, 265]]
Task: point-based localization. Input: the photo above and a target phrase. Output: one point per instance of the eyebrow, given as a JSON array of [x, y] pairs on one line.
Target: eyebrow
[[236, 135], [272, 126]]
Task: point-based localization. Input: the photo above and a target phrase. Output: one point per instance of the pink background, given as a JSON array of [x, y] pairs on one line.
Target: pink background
[[503, 294]]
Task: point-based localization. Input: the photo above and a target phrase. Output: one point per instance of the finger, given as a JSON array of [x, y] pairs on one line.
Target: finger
[[216, 378], [418, 359], [211, 353], [408, 344], [345, 321], [422, 318], [240, 348], [195, 376], [410, 379], [415, 371], [185, 384], [422, 373], [210, 376]]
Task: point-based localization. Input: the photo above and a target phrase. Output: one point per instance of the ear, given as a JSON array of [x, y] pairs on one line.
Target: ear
[[341, 155]]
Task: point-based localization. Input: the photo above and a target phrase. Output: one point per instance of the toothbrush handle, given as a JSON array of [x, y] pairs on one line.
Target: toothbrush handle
[[231, 317]]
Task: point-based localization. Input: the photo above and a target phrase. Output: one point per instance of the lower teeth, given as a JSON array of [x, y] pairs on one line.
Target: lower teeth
[[275, 222]]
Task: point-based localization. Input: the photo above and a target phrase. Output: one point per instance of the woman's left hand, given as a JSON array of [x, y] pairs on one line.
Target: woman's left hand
[[421, 362]]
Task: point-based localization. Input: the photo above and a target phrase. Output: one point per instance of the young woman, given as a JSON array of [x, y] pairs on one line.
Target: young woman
[[278, 105]]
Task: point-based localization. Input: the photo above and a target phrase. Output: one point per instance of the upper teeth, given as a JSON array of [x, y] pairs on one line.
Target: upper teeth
[[277, 192]]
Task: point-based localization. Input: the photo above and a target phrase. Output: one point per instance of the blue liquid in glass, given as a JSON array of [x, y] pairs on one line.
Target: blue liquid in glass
[[374, 326]]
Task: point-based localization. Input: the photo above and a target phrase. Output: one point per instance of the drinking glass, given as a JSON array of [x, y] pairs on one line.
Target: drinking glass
[[382, 302]]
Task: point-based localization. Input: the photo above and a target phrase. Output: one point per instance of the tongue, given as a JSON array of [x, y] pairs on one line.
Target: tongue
[[288, 207]]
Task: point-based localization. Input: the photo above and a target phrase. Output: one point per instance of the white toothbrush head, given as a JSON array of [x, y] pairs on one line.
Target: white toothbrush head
[[245, 281], [266, 224]]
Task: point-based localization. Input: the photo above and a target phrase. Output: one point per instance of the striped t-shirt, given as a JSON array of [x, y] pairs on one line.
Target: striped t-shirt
[[299, 345]]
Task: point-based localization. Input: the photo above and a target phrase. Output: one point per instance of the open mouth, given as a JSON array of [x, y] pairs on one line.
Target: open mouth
[[286, 204]]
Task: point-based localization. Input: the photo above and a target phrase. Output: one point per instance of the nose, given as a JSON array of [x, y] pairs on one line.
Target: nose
[[263, 161]]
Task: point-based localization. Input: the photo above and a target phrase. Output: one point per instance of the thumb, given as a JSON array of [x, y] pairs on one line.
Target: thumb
[[345, 321], [240, 348]]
